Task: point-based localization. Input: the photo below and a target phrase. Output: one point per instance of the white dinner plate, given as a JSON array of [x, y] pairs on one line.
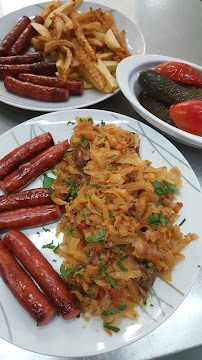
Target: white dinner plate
[[77, 337], [127, 76], [133, 38]]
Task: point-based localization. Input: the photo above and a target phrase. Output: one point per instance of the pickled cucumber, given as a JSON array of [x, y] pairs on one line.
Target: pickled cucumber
[[163, 89], [156, 107]]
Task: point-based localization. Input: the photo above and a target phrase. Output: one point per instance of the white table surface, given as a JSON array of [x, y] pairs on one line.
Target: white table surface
[[169, 27]]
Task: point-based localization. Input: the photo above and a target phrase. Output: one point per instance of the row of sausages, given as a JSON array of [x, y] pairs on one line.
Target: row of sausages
[[36, 78], [26, 209], [24, 289]]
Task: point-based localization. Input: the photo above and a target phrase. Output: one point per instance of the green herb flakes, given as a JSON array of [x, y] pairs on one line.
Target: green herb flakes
[[70, 232], [47, 181], [100, 237], [120, 265], [84, 141], [110, 213], [182, 222], [150, 264], [53, 193], [112, 328]]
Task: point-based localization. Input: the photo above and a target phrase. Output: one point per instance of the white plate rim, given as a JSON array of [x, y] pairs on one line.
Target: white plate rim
[[35, 105], [132, 65], [86, 112]]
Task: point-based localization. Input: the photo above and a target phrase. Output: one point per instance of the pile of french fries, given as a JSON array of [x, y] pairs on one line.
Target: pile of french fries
[[85, 46]]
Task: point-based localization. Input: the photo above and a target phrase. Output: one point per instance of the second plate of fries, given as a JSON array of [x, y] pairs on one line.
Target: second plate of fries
[[86, 40]]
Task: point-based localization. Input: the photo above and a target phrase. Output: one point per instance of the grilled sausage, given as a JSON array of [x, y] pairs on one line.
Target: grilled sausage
[[24, 289], [25, 37], [29, 217], [12, 36], [38, 92], [28, 171], [75, 87], [24, 152], [22, 59], [35, 68], [40, 269], [29, 198]]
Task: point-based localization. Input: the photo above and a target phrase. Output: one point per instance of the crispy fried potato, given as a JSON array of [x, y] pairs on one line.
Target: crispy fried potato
[[110, 80], [111, 41], [84, 45], [42, 30]]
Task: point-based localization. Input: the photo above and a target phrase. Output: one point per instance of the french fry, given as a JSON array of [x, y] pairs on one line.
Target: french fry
[[111, 41], [42, 30], [111, 82]]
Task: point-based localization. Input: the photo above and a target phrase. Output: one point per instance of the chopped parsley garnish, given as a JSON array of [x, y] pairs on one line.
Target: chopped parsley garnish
[[100, 237], [88, 293], [56, 247], [100, 266], [46, 230], [151, 305], [157, 219], [71, 122], [54, 260], [72, 282], [120, 265], [90, 120], [155, 242], [69, 150], [124, 257], [64, 272], [96, 277], [110, 213], [85, 212], [53, 171], [103, 186], [112, 328], [84, 141], [53, 193], [112, 282], [110, 157], [95, 185], [106, 196], [150, 264], [111, 312], [99, 257], [88, 182], [47, 181], [182, 222], [85, 195], [70, 232], [102, 123], [38, 233], [49, 246], [72, 188], [160, 202], [164, 188]]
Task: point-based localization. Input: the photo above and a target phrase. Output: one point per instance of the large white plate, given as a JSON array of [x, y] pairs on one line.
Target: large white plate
[[134, 41], [77, 337], [127, 76]]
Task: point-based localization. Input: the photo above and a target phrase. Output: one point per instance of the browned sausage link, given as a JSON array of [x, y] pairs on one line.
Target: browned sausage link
[[29, 217], [11, 37], [25, 37], [24, 289], [24, 152], [38, 92], [25, 199], [47, 278], [27, 172], [22, 59], [35, 68], [75, 87]]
